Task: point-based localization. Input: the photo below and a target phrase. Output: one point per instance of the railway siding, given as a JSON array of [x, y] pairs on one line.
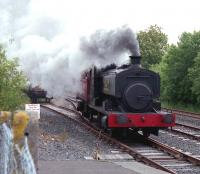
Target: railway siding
[[176, 166]]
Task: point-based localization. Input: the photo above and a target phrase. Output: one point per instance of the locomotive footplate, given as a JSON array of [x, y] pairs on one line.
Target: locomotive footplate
[[137, 120], [141, 120]]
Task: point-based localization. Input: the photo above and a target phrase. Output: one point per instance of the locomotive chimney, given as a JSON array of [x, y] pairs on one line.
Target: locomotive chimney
[[135, 60]]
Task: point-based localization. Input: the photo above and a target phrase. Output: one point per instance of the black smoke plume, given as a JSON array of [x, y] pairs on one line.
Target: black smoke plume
[[106, 45]]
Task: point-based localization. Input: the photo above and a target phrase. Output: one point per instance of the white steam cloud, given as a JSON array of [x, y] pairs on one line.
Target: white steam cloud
[[50, 55]]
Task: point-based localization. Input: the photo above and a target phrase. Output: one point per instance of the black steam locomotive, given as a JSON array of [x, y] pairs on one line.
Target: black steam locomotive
[[124, 97]]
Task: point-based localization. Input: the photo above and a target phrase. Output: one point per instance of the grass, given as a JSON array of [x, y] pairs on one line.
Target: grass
[[182, 106]]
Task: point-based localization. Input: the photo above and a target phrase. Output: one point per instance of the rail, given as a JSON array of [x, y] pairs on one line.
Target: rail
[[182, 113], [139, 156]]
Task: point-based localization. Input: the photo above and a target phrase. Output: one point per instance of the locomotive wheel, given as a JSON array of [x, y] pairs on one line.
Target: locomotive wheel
[[91, 117], [85, 114], [99, 121], [109, 132], [145, 133]]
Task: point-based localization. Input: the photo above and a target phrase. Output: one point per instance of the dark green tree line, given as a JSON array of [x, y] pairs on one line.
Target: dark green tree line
[[194, 76], [179, 69], [178, 65]]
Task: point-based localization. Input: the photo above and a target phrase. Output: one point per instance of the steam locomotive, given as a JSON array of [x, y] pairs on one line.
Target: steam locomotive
[[124, 97]]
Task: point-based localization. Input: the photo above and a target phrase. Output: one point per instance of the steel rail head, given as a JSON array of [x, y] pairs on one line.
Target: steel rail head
[[71, 102], [188, 126], [182, 113], [186, 134], [174, 152]]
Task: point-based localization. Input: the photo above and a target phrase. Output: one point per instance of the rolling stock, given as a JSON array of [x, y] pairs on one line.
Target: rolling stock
[[124, 97]]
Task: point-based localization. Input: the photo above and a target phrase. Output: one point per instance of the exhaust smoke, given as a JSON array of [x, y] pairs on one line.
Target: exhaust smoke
[[50, 53]]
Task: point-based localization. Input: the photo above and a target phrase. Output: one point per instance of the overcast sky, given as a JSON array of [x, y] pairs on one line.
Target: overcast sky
[[78, 18], [174, 16], [45, 34]]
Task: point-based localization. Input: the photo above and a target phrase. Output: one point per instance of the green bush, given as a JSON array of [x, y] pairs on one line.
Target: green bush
[[179, 72], [153, 45], [12, 81]]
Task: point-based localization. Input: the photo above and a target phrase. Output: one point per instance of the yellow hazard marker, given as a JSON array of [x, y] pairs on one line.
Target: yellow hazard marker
[[4, 116], [19, 124]]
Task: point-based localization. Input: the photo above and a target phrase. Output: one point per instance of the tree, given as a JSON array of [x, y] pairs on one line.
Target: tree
[[176, 83], [153, 44], [194, 76], [12, 81]]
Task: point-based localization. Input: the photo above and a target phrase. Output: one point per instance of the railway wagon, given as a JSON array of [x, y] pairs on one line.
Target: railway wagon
[[124, 97], [37, 95]]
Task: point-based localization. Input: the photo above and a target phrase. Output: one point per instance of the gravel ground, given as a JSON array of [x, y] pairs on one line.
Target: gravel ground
[[187, 170], [188, 120], [63, 139], [182, 142], [178, 169], [179, 142], [187, 130], [186, 145]]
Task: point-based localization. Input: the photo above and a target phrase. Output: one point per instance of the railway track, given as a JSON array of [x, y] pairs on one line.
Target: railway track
[[182, 113], [190, 131], [150, 152], [72, 101], [186, 130]]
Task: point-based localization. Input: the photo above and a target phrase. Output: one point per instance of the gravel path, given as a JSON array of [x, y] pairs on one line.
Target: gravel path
[[192, 147], [182, 142], [179, 142], [188, 130], [63, 139], [179, 169], [188, 120]]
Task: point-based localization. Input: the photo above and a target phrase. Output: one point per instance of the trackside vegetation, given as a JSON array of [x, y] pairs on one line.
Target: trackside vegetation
[[12, 81], [153, 45], [178, 65]]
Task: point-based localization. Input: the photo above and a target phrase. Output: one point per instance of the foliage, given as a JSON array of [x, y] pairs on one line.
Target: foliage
[[194, 76], [153, 44], [12, 81], [176, 64]]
